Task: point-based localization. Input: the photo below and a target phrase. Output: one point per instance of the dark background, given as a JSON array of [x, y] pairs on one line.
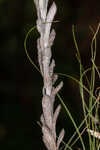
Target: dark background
[[20, 83]]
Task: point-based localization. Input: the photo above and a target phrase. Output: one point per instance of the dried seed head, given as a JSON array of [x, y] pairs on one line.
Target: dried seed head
[[94, 133]]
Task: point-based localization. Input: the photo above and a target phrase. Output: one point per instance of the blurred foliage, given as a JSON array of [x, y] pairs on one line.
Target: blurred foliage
[[2, 1]]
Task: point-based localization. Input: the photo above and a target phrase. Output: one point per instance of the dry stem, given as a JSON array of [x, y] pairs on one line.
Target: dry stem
[[44, 43]]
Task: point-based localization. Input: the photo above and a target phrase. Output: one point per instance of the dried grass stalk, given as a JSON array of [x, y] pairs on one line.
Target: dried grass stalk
[[44, 43]]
